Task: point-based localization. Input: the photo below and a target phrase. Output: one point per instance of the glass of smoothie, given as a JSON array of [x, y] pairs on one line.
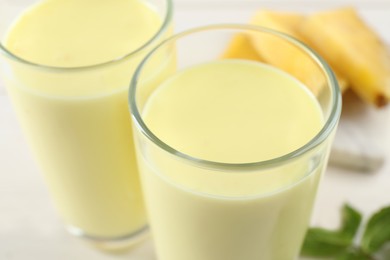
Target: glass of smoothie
[[67, 65], [231, 151]]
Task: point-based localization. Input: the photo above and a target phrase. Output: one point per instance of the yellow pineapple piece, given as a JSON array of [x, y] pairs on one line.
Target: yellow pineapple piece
[[351, 47], [241, 47], [286, 22], [284, 55]]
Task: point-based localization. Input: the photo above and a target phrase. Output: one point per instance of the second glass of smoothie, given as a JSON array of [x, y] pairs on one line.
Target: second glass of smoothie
[[67, 65]]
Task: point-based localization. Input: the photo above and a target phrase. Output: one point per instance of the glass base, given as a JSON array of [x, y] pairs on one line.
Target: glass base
[[115, 244]]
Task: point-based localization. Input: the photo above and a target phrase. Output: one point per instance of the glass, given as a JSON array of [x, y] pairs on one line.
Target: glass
[[192, 213], [76, 121]]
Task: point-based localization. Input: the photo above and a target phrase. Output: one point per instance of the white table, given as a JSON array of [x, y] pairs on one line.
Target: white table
[[29, 227]]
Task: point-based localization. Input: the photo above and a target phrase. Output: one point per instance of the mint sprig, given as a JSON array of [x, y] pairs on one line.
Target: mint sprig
[[342, 244], [377, 232], [327, 243]]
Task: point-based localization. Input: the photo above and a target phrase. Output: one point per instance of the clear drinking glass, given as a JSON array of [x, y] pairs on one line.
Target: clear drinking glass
[[76, 121], [213, 210]]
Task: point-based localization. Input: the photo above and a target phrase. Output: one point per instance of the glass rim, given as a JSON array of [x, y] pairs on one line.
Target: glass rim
[[164, 25], [327, 128]]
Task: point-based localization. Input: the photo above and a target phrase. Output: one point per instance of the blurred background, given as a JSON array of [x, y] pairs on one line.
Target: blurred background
[[30, 229]]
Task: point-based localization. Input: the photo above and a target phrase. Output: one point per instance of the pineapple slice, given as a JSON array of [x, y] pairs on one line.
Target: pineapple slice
[[284, 55], [351, 47], [241, 47], [286, 22]]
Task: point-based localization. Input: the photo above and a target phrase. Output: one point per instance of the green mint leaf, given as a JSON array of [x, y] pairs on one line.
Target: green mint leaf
[[328, 243], [351, 220], [323, 243], [377, 232], [353, 255]]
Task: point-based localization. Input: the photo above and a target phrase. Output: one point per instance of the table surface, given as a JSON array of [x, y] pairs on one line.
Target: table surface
[[31, 229]]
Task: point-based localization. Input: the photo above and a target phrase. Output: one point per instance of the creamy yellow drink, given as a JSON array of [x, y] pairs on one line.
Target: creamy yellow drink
[[77, 120], [230, 112]]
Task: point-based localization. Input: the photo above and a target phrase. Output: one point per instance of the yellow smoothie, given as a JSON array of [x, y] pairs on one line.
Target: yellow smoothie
[[77, 121], [230, 111]]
